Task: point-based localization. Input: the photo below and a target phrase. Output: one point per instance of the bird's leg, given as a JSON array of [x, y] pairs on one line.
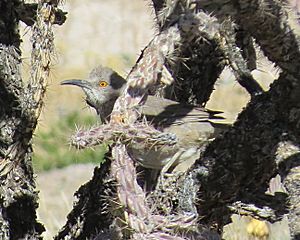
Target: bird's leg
[[171, 161]]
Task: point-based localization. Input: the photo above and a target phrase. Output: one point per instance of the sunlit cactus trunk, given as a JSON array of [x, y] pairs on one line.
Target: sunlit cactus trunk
[[20, 107]]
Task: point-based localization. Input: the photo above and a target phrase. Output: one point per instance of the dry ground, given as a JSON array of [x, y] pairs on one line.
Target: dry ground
[[56, 194]]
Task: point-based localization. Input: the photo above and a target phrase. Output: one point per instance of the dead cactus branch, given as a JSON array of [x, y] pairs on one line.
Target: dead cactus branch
[[27, 13], [247, 168], [91, 214], [43, 52], [267, 23], [197, 81], [236, 60], [20, 107]]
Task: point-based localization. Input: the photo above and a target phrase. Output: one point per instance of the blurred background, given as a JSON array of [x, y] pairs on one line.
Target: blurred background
[[111, 33]]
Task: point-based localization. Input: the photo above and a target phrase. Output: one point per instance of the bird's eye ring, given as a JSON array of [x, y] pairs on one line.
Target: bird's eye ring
[[103, 84]]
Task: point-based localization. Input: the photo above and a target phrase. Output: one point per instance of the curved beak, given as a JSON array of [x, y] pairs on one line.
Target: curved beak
[[77, 82]]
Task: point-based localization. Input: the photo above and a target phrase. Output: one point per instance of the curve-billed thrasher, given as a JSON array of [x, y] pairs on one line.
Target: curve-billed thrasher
[[192, 125]]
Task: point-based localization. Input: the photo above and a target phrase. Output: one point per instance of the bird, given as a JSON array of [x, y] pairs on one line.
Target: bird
[[192, 125], [102, 88]]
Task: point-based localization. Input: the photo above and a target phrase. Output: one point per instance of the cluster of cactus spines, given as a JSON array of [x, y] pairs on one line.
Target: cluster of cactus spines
[[136, 215], [164, 198], [129, 193], [164, 15], [172, 10], [203, 25], [200, 25], [139, 132], [42, 53], [264, 212]]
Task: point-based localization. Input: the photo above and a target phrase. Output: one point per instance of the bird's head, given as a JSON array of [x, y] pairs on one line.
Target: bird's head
[[101, 89]]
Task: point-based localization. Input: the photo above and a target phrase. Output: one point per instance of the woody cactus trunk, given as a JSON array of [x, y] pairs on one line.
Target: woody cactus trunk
[[20, 107]]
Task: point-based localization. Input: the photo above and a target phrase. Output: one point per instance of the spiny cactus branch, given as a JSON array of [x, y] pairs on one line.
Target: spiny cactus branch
[[42, 54], [267, 23], [196, 64], [129, 193], [208, 27], [136, 213], [138, 133], [237, 63], [20, 107], [145, 74], [193, 79]]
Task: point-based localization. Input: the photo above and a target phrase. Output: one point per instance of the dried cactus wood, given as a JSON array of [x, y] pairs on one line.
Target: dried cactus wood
[[20, 106], [201, 55]]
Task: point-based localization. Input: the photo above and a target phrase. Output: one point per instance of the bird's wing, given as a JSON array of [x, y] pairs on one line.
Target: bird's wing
[[165, 112]]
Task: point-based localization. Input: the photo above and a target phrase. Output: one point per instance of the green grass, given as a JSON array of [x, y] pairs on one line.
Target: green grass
[[52, 148]]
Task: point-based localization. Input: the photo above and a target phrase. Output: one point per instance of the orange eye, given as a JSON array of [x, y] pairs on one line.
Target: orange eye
[[103, 84]]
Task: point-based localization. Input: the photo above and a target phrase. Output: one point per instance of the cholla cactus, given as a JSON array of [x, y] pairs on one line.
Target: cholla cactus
[[136, 216], [185, 30]]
